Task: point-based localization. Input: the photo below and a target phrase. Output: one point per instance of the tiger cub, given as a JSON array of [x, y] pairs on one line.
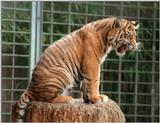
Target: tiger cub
[[77, 58]]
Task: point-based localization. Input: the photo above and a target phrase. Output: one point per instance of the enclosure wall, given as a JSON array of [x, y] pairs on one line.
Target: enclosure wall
[[132, 81]]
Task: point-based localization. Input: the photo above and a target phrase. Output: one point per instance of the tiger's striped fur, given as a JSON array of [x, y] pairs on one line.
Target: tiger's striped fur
[[77, 58]]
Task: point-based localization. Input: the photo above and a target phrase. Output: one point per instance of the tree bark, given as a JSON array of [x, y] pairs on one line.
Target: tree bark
[[77, 112]]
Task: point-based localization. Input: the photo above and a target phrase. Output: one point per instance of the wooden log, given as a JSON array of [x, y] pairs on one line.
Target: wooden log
[[77, 112]]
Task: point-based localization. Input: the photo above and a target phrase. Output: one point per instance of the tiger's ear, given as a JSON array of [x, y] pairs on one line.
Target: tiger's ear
[[117, 23], [136, 24]]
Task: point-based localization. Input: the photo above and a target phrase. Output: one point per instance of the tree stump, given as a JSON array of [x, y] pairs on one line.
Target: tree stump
[[77, 112]]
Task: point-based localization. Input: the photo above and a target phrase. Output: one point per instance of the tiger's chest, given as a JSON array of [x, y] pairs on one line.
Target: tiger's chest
[[106, 53]]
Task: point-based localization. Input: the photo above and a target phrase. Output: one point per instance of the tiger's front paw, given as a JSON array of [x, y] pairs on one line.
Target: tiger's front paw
[[100, 98], [104, 98]]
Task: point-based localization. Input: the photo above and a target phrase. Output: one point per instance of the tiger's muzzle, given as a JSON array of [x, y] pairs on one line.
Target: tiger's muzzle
[[124, 47]]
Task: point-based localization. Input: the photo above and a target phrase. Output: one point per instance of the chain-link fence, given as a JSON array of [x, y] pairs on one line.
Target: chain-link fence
[[132, 81]]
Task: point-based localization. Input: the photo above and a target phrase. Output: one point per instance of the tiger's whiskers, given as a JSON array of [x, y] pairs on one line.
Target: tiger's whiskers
[[139, 46]]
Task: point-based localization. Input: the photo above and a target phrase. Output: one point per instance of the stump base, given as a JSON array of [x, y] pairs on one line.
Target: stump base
[[78, 112]]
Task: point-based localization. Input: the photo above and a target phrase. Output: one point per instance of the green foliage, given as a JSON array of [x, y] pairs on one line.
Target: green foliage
[[61, 6], [78, 7], [20, 84], [16, 28]]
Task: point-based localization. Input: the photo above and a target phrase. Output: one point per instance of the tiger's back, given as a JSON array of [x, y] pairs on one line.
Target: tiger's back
[[58, 67]]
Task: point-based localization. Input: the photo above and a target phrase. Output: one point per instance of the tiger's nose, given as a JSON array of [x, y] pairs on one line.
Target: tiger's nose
[[128, 44]]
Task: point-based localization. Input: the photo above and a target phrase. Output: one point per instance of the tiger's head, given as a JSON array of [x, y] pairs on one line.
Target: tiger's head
[[123, 37]]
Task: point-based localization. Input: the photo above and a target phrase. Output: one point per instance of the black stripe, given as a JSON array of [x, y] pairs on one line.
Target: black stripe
[[106, 37], [18, 116], [74, 57], [62, 83], [63, 54], [59, 73], [70, 57], [48, 53], [62, 57], [18, 107], [54, 55], [53, 85], [119, 34]]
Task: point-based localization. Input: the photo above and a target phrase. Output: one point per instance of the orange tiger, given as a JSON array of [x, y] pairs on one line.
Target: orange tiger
[[76, 58]]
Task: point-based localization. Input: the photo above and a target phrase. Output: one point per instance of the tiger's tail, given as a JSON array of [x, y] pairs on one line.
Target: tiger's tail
[[21, 105]]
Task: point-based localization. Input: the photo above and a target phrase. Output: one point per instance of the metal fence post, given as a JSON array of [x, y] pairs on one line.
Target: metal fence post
[[38, 30], [35, 34], [0, 57], [33, 38]]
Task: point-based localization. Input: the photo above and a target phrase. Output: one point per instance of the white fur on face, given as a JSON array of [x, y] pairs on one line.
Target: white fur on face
[[137, 27], [139, 46], [120, 54]]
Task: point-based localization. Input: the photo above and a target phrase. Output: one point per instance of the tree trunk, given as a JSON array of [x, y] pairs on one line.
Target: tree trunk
[[78, 112]]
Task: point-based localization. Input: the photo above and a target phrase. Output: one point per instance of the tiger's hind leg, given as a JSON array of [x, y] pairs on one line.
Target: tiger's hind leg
[[63, 99]]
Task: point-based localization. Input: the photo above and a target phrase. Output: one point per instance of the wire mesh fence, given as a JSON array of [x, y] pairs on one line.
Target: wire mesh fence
[[15, 52], [132, 81]]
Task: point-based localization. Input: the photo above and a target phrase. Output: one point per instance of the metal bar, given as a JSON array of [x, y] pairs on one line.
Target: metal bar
[[86, 12], [109, 4], [13, 89], [15, 78], [0, 57], [126, 82], [131, 104], [15, 66], [60, 23], [33, 37], [139, 115], [102, 74], [27, 21], [35, 34], [10, 43], [136, 70], [6, 113], [127, 71], [69, 21], [120, 65], [16, 9], [69, 30], [7, 31], [13, 58], [19, 55], [153, 67], [132, 61], [52, 18], [38, 30]]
